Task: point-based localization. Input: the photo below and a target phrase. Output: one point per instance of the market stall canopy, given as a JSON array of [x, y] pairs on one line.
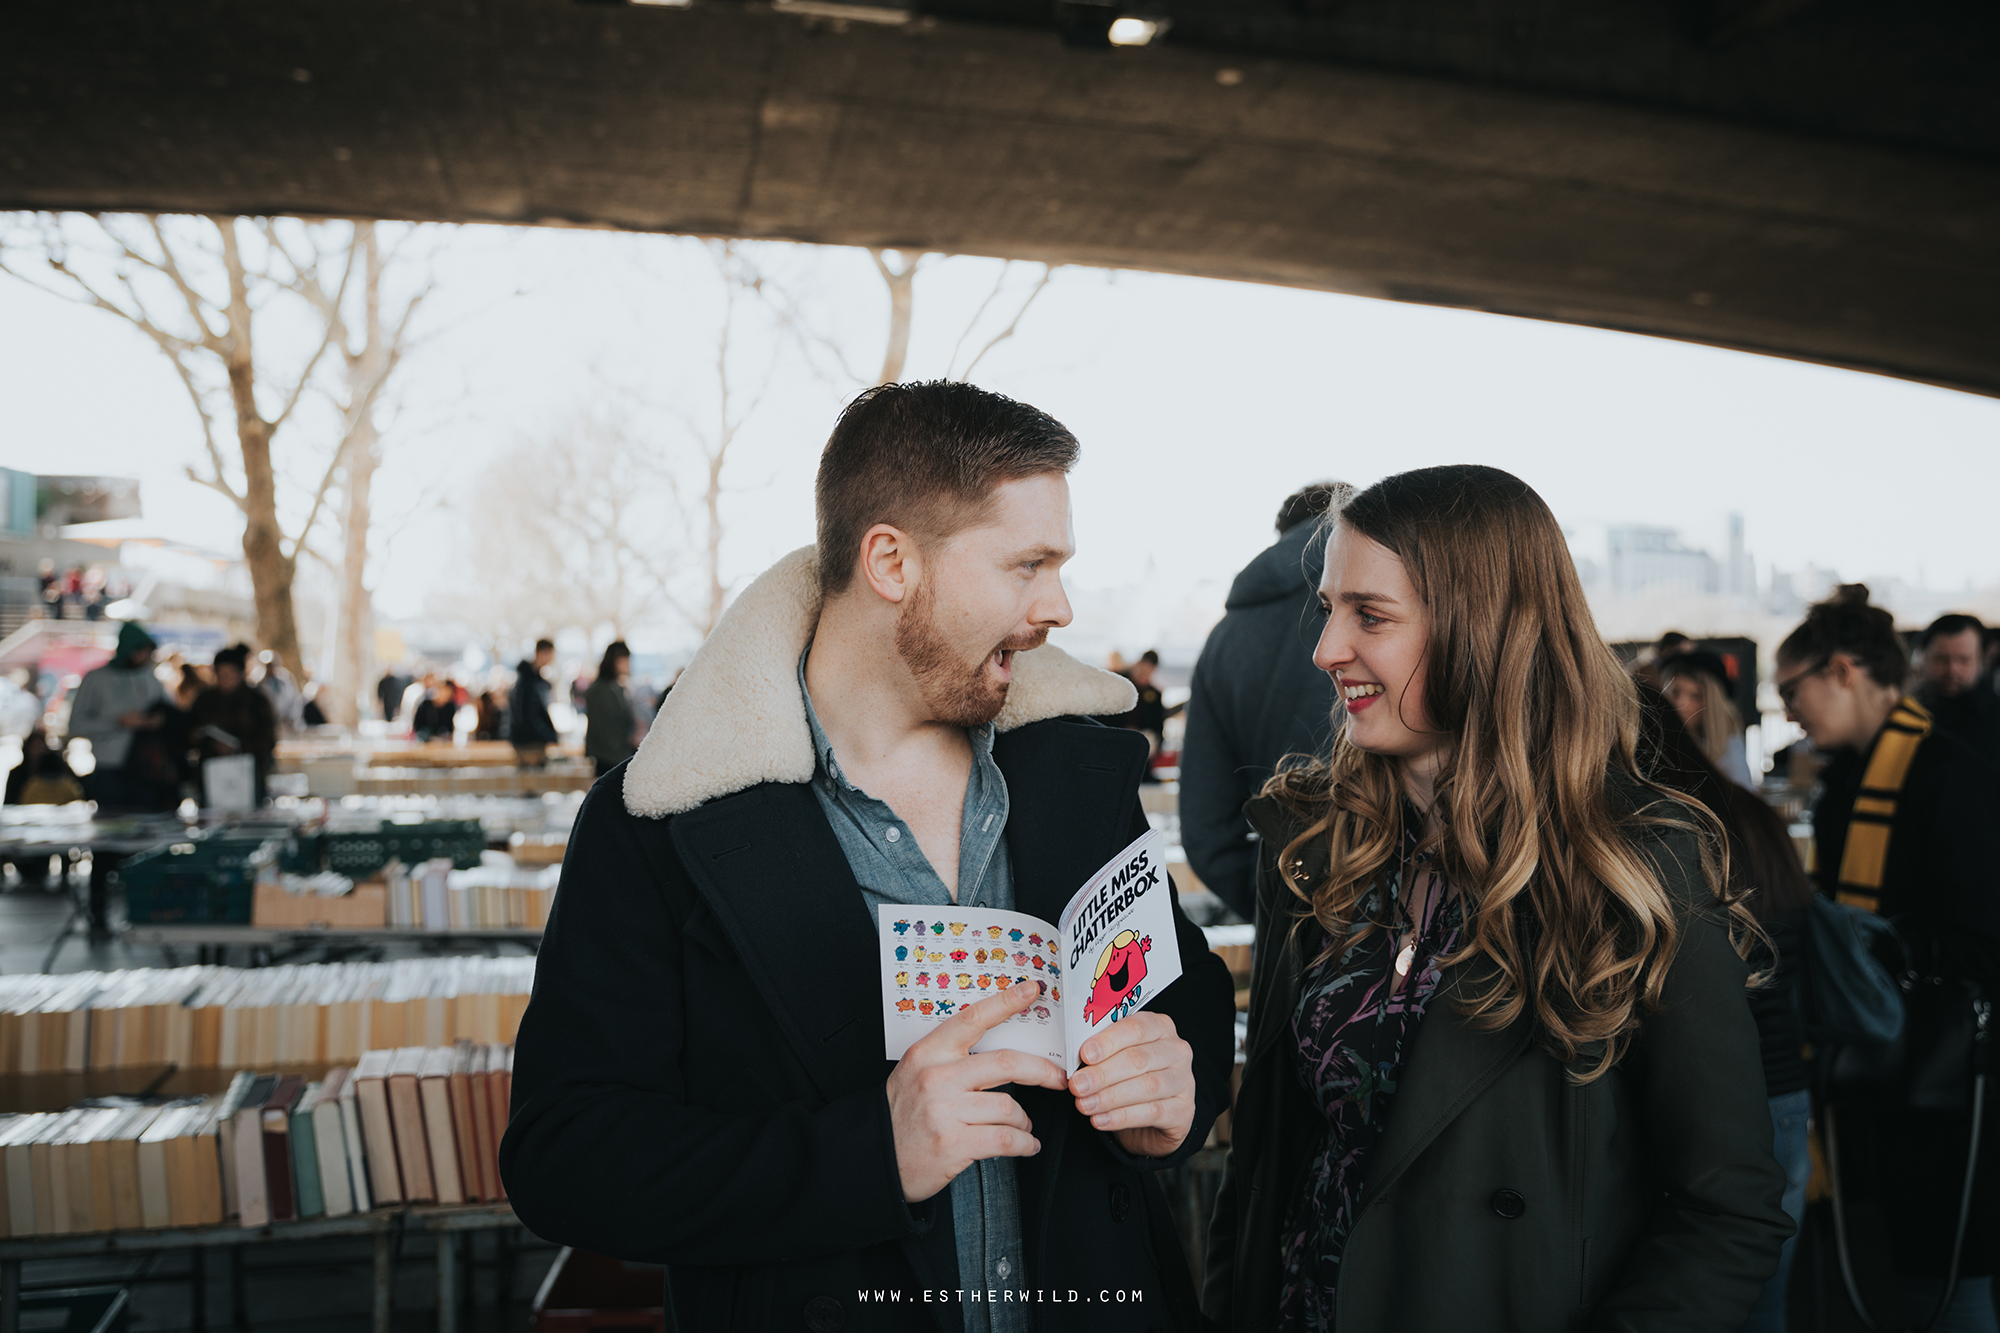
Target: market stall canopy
[[1818, 180]]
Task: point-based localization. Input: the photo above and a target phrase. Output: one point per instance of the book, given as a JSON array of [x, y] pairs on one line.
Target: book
[[371, 1094], [305, 1153], [122, 1154], [406, 1112], [500, 1086], [232, 1101], [156, 1199], [1112, 948], [350, 1129], [330, 1145], [18, 1133], [280, 1186], [51, 1166], [200, 1146], [459, 1086], [440, 1126], [485, 1146], [253, 1200]]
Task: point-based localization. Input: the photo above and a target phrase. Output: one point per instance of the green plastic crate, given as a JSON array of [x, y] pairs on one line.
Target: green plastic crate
[[358, 855], [202, 880]]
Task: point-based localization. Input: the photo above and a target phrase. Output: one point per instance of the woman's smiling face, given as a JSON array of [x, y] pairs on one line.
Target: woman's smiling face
[[1374, 646]]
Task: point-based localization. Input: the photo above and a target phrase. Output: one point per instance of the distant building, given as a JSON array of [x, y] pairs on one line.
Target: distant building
[[1643, 559]]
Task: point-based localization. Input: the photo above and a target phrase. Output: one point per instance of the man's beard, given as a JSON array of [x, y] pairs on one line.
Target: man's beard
[[955, 691]]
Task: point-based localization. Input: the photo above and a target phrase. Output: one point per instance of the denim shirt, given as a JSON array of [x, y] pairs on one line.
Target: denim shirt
[[892, 869]]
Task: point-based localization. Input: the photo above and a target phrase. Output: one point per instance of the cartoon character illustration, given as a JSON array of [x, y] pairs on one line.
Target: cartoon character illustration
[[902, 978], [905, 1005], [925, 1006], [1002, 982], [944, 1007], [903, 927], [958, 927], [1035, 940], [993, 932], [1120, 969], [985, 982], [1020, 960], [1042, 1012], [965, 981], [902, 953], [936, 955], [1016, 935], [958, 955], [1036, 962], [923, 978], [920, 927], [1055, 993], [937, 927]]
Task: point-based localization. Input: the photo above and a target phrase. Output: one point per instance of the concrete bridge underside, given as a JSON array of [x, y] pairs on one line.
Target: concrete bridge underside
[[1814, 184]]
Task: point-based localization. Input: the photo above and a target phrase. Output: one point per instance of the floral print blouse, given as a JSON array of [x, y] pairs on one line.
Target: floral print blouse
[[1352, 1036]]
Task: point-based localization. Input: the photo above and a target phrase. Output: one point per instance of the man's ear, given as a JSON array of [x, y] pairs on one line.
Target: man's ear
[[889, 562]]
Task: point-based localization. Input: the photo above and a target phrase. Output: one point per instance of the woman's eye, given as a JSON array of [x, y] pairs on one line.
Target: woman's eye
[[1368, 619]]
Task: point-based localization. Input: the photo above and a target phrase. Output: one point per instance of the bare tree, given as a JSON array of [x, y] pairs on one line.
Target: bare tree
[[576, 529], [201, 290], [901, 280]]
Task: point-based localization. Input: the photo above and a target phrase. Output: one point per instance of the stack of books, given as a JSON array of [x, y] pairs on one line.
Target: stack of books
[[434, 896], [415, 1125], [230, 1018]]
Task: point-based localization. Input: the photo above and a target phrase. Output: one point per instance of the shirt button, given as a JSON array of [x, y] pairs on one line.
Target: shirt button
[[894, 834], [1003, 1268]]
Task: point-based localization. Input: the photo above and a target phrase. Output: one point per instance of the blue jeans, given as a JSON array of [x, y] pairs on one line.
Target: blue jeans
[[1791, 1119]]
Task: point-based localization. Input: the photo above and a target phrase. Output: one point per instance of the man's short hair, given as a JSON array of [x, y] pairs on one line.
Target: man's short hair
[[541, 644], [1150, 658], [1310, 502], [1944, 627], [925, 458]]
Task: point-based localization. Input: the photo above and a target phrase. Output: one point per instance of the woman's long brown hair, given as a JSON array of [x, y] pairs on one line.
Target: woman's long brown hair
[[1557, 895]]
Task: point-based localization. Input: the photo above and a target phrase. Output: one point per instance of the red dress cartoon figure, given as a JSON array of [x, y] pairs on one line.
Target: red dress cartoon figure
[[958, 955], [1120, 969], [925, 1006]]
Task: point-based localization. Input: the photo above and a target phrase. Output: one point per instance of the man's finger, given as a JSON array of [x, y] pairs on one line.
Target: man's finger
[[993, 1069], [995, 1108], [1144, 1115], [1135, 1030], [962, 1031]]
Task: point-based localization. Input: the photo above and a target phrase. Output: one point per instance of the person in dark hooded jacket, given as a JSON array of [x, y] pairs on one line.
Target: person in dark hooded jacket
[[1257, 696]]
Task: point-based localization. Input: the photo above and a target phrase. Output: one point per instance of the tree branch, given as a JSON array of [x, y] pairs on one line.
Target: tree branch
[[1048, 273]]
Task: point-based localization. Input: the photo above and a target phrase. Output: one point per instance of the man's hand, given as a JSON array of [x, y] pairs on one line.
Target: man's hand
[[943, 1118], [1137, 1081]]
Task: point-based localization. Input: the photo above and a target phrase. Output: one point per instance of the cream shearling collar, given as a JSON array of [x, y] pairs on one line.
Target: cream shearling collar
[[736, 718]]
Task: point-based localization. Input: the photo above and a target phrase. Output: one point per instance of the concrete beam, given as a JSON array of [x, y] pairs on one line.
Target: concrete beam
[[742, 121]]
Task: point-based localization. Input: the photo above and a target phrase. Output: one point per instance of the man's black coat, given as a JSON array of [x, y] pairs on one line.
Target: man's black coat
[[530, 707], [699, 1079]]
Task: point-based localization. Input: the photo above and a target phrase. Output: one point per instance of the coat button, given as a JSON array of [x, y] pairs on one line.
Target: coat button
[[1121, 1201], [823, 1314], [1509, 1204]]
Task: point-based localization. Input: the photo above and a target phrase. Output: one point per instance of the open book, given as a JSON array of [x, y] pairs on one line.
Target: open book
[[1112, 951]]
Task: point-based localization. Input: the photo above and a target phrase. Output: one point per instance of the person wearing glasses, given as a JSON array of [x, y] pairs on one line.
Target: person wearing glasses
[[1908, 825], [1501, 1069]]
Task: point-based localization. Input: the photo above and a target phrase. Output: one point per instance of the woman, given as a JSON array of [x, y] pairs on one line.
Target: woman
[[1697, 684], [1764, 870], [436, 715], [610, 723], [1907, 824], [1500, 1070]]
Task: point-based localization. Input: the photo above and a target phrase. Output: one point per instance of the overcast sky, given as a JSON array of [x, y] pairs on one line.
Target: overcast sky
[[1199, 404]]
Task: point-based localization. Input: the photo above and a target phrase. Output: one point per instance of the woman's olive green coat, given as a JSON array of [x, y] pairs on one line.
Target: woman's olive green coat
[[1503, 1195]]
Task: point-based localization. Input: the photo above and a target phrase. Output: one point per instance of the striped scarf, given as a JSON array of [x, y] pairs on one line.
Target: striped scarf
[[1866, 854]]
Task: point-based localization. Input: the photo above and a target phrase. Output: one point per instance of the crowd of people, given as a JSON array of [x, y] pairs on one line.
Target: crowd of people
[[79, 592], [1546, 1011]]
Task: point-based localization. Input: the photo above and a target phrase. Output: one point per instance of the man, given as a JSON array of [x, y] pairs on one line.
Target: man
[[533, 731], [700, 1077], [1149, 712], [1257, 696], [232, 717], [113, 705], [1956, 688]]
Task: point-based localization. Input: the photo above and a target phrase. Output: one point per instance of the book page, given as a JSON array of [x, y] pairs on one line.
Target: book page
[[1119, 948], [937, 960]]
